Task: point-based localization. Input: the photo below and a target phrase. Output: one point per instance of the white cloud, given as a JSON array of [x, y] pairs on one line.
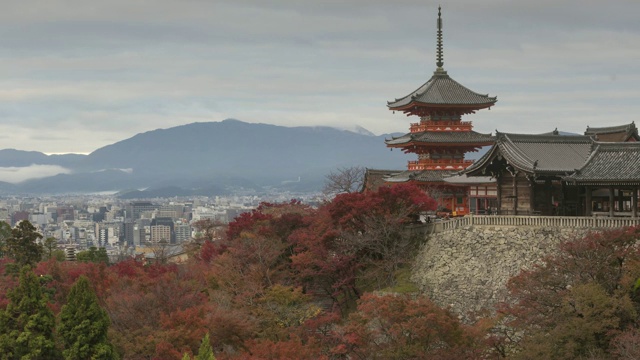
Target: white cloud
[[76, 75], [16, 175]]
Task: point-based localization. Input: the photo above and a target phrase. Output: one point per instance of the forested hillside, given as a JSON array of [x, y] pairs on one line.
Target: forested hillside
[[202, 158], [288, 281]]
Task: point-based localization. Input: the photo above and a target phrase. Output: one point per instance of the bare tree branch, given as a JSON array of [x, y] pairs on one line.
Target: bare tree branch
[[344, 180]]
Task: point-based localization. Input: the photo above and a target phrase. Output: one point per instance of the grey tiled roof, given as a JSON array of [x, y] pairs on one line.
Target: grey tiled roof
[[443, 90], [422, 176], [557, 154], [374, 178], [609, 129], [610, 163], [464, 179], [617, 133], [443, 137]]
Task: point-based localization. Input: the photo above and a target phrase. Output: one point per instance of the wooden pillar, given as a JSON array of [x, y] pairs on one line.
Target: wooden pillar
[[634, 202], [532, 196], [611, 201], [499, 194], [515, 193], [587, 201], [620, 200], [548, 198], [563, 201]]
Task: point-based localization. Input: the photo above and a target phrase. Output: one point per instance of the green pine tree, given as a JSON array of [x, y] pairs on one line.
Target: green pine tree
[[93, 255], [205, 352], [5, 233], [84, 324], [26, 325], [22, 245]]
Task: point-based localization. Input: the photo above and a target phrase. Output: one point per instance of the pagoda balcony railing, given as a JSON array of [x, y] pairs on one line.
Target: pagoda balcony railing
[[441, 126], [439, 164]]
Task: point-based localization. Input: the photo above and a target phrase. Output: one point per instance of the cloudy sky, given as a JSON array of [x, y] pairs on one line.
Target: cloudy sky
[[76, 75]]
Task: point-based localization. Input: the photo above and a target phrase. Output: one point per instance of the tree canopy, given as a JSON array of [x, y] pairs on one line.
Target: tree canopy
[[27, 323], [578, 302], [291, 281], [93, 255], [84, 325], [5, 233], [23, 246]]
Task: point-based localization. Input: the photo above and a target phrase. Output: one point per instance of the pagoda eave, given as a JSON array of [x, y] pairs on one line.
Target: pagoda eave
[[430, 145], [421, 109]]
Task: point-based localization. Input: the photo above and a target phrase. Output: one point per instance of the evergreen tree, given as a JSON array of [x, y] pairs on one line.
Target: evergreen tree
[[26, 325], [22, 245], [50, 247], [93, 255], [205, 352], [84, 324], [5, 233]]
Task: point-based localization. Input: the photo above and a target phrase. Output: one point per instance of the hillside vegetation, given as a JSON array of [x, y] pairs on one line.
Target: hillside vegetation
[[287, 281]]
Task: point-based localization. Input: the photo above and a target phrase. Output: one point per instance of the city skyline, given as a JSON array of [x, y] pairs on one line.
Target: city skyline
[[77, 75]]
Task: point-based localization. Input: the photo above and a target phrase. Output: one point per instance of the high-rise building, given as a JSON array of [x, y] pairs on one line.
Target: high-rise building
[[162, 229], [183, 233], [65, 213], [137, 208], [19, 216], [130, 228]]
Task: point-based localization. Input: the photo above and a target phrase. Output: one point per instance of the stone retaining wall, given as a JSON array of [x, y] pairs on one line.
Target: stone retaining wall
[[467, 269]]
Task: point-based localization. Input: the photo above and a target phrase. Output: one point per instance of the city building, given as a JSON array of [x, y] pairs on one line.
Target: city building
[[65, 213], [183, 232], [136, 209], [162, 229]]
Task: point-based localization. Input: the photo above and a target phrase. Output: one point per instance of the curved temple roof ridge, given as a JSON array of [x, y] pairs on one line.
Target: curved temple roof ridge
[[617, 133], [441, 89], [609, 163], [610, 129], [541, 153], [579, 160], [543, 138], [443, 137]]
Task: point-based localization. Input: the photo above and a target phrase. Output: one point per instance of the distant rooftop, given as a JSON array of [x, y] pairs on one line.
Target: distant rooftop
[[618, 133]]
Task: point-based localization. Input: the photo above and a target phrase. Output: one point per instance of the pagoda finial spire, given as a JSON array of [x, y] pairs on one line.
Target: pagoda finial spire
[[440, 61]]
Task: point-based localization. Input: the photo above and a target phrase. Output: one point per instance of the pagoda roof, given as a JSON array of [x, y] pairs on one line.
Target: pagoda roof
[[618, 133], [374, 178], [421, 176], [610, 164], [442, 137], [441, 91], [537, 154]]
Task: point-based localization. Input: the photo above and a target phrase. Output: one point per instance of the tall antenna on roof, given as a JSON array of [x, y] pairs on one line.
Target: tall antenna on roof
[[439, 57]]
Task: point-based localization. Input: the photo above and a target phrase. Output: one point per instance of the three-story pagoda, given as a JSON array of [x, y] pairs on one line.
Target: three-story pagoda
[[440, 139]]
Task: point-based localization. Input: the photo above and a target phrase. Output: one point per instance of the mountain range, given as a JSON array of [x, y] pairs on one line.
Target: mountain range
[[206, 159]]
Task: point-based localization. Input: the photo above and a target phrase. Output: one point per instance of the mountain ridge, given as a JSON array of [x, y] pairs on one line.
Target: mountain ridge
[[206, 152]]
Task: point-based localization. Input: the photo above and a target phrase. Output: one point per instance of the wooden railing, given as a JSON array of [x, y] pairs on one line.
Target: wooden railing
[[434, 164], [441, 126], [590, 222]]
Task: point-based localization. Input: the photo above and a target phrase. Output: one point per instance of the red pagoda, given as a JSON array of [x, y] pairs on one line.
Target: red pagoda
[[441, 139]]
